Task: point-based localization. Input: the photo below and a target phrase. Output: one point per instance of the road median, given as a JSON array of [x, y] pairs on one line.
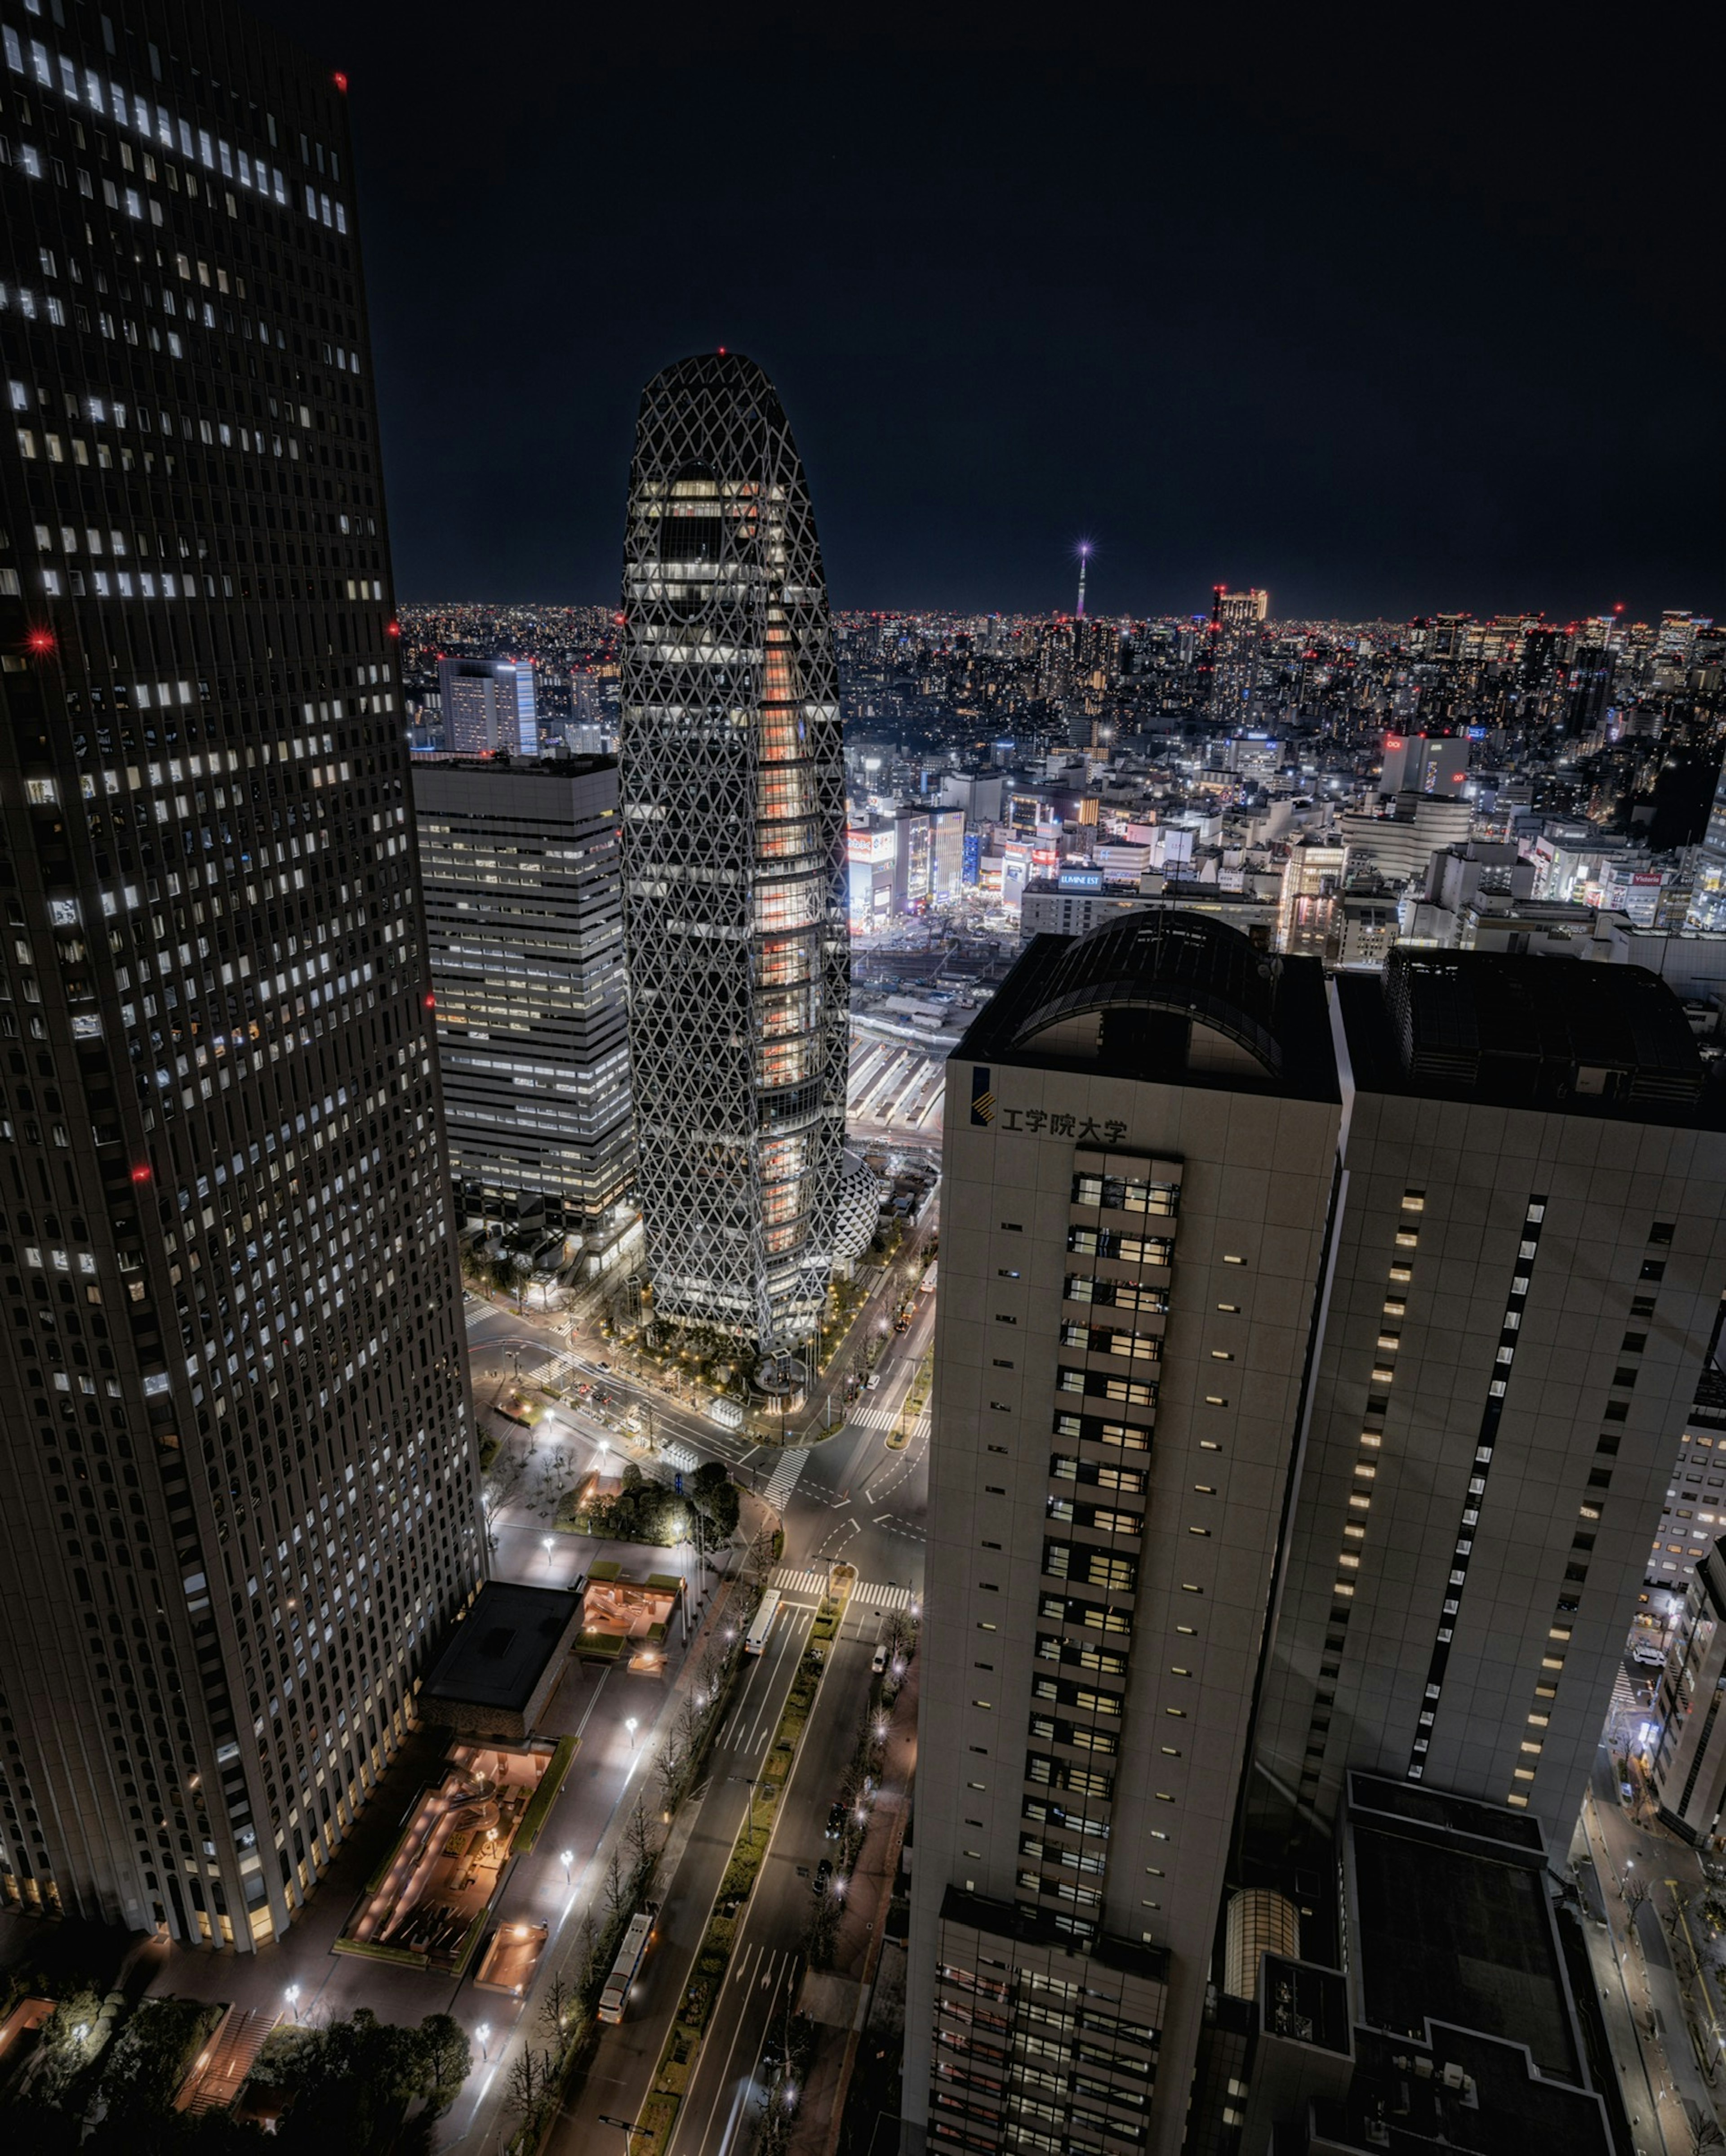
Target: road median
[[655, 2122]]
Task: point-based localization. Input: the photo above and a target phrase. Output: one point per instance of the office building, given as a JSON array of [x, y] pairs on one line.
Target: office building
[[735, 894], [524, 890], [238, 1467], [1708, 901], [1312, 892], [1230, 669], [1140, 1137], [1405, 1294], [489, 706], [1527, 1273], [1687, 1771], [1424, 763]]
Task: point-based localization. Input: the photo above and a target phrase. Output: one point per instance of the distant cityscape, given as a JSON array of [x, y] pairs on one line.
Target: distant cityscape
[[864, 1382]]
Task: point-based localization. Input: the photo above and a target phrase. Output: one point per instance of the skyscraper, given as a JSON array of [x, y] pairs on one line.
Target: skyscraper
[[1141, 1137], [1231, 671], [237, 1466], [1306, 1381], [734, 859], [489, 706], [523, 884], [1527, 1278]]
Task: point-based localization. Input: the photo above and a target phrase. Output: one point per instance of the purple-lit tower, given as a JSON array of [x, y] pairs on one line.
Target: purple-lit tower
[[1085, 562]]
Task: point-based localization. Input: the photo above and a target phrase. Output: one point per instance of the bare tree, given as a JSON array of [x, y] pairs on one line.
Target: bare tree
[[555, 2010], [529, 2080], [616, 1889], [638, 1836], [1635, 1892]]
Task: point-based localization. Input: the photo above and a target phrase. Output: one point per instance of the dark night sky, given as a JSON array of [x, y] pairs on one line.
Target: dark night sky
[[1419, 313]]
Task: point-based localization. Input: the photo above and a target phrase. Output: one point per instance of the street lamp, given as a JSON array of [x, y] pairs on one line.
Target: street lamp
[[630, 1725], [626, 2127], [483, 2033], [566, 1857], [292, 1996], [546, 1543]]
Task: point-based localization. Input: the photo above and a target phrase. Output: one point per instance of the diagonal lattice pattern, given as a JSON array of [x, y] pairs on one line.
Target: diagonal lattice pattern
[[734, 829]]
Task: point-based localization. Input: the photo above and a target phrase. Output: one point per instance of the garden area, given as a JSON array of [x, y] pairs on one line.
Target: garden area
[[85, 2068], [427, 1904], [643, 1510]]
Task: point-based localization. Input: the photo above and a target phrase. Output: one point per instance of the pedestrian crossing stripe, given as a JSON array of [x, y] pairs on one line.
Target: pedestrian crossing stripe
[[865, 1594], [886, 1419], [880, 1598], [784, 1479]]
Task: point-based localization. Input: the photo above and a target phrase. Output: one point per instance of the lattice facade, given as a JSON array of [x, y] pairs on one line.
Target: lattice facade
[[735, 828]]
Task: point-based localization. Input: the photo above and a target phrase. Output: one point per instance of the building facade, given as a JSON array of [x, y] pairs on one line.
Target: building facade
[[524, 890], [734, 859], [1528, 1270], [238, 1466], [1405, 1286], [1141, 1134], [490, 707]]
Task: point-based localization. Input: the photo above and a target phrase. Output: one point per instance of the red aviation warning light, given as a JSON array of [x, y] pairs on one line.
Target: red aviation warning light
[[140, 1174], [340, 83], [40, 640], [393, 629]]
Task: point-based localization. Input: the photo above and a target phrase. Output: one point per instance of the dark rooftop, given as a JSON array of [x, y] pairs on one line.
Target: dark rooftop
[[498, 1654], [1592, 1040], [1168, 996], [1449, 1931]]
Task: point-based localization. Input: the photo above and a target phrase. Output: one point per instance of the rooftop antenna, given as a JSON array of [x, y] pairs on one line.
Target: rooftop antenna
[[1085, 562]]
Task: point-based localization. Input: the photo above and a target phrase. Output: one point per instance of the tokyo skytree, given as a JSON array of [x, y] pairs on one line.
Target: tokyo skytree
[[735, 835]]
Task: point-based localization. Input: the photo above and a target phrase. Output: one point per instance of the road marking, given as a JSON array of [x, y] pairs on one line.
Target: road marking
[[785, 1479], [882, 1597], [798, 1582]]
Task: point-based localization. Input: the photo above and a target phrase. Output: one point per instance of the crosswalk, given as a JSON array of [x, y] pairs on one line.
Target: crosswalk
[[866, 1594], [883, 1418], [784, 1479]]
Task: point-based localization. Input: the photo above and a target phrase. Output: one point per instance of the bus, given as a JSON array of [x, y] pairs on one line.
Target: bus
[[755, 1638], [630, 1956]]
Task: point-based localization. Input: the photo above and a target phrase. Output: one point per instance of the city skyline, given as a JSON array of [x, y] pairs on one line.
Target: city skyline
[[1325, 339]]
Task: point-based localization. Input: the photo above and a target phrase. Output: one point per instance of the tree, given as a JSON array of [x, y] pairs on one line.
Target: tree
[[529, 2081], [556, 2009], [714, 1495], [448, 2058], [616, 1893], [638, 1836]]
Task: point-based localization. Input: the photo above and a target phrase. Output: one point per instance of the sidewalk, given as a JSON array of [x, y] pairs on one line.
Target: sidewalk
[[479, 2120]]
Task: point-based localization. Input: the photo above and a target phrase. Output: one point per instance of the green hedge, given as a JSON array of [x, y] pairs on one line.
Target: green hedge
[[543, 1798]]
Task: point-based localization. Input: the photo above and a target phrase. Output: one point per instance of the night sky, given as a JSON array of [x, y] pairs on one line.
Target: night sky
[[1423, 315]]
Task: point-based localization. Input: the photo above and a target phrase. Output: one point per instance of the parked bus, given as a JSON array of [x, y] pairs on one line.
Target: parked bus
[[756, 1637], [630, 1956]]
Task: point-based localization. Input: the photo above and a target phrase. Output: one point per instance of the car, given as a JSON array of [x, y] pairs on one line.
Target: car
[[873, 1380], [836, 1819], [878, 1661], [823, 1873]]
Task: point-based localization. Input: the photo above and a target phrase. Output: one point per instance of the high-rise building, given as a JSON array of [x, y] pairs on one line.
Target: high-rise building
[[1232, 668], [734, 859], [489, 706], [1689, 1768], [1142, 1135], [1311, 891], [524, 888], [1306, 1383], [238, 1463], [1526, 1278]]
